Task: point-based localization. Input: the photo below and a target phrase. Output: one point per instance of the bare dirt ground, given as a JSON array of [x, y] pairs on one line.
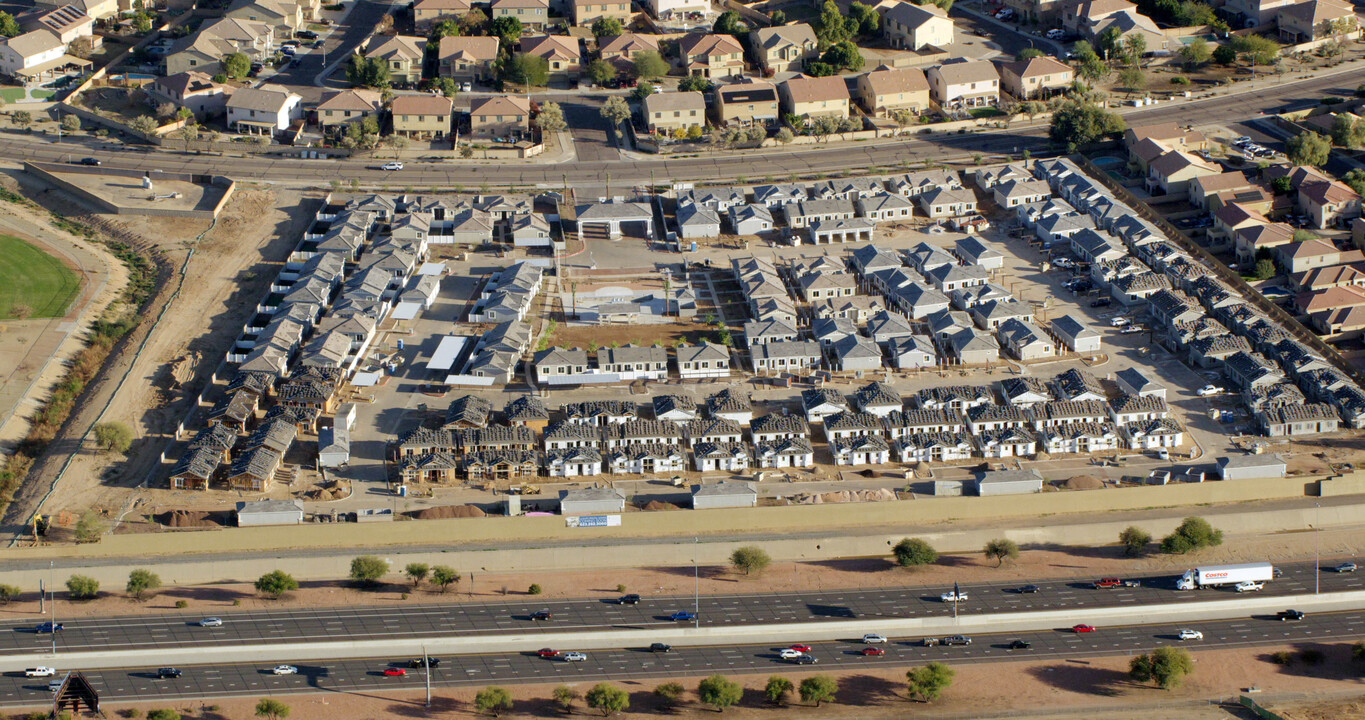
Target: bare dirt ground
[[229, 271], [1043, 689], [665, 334], [779, 577]]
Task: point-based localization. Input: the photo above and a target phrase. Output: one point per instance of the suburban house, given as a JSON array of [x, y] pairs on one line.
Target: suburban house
[[885, 90], [711, 56], [785, 48], [1252, 13], [703, 361], [750, 219], [747, 102], [1316, 19], [907, 26], [263, 111], [1034, 78], [965, 84], [500, 117], [286, 17], [560, 51], [620, 50], [1075, 335], [795, 356], [940, 203], [467, 58], [342, 108], [194, 90], [533, 14], [403, 54], [424, 116], [809, 97], [426, 13], [204, 51], [585, 12], [1172, 172], [67, 22], [667, 112], [1328, 203]]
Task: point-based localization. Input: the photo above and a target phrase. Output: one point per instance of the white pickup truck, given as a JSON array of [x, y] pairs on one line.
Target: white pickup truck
[[40, 671], [952, 597]]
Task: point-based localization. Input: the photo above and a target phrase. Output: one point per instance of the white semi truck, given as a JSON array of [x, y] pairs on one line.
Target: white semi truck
[[1216, 575]]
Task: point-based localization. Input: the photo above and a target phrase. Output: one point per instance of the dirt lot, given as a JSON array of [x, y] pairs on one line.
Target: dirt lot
[[231, 268], [604, 335]]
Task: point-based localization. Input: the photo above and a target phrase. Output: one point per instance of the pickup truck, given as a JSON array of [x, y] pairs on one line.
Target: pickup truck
[[40, 671], [952, 597]]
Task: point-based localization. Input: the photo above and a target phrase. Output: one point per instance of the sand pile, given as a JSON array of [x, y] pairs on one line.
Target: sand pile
[[450, 511]]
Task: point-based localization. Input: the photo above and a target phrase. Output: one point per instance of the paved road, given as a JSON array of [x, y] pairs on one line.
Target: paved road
[[468, 619], [253, 679]]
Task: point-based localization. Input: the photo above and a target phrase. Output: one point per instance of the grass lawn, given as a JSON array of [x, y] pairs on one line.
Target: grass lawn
[[986, 112], [30, 277]]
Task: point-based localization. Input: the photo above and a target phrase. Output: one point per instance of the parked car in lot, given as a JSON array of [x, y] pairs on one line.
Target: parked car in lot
[[1188, 634], [1102, 302], [1131, 330], [1289, 615], [306, 34], [1119, 321], [1208, 390], [1249, 586], [1345, 567]]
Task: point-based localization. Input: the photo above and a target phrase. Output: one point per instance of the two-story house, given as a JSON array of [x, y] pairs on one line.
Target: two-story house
[[339, 109], [885, 90], [965, 84], [403, 54], [423, 116], [1038, 77], [561, 52], [263, 111], [711, 56], [908, 26], [533, 14], [751, 102], [467, 58], [500, 117], [810, 97], [785, 48]]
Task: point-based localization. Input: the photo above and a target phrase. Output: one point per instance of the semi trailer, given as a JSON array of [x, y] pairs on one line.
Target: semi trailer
[[1216, 575]]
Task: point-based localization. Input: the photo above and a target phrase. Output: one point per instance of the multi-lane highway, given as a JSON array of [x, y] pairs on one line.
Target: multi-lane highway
[[465, 619], [252, 679]]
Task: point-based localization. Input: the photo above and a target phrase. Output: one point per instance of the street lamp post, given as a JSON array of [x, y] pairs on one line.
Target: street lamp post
[[696, 584], [1317, 547]]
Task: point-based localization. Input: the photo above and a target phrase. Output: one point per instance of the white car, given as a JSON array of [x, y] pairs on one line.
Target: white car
[[1119, 321], [1209, 390], [1055, 34], [574, 656], [391, 166], [1163, 454], [790, 654], [211, 622], [952, 597], [466, 87], [1188, 634], [1249, 585], [873, 639], [285, 670], [40, 671]]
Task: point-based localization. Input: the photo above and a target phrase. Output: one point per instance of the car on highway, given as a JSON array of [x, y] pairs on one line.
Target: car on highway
[[54, 685], [1249, 586], [40, 671], [395, 672], [799, 647], [427, 662], [48, 627], [1188, 634], [391, 166], [285, 670], [211, 622], [929, 642], [1289, 615], [874, 638], [660, 647], [548, 652], [1208, 390], [803, 660], [93, 162], [952, 597], [957, 640], [1029, 589], [1083, 628], [872, 651], [541, 615], [1346, 567], [574, 656], [790, 654], [168, 673], [1019, 645], [682, 615], [1108, 583], [631, 599]]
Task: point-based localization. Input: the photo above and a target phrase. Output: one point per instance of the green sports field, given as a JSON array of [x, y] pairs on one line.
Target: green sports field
[[28, 276]]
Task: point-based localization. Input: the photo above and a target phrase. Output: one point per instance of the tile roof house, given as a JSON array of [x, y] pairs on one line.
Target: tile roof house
[[711, 55], [467, 58], [426, 13], [424, 116], [965, 84], [747, 102], [404, 55], [908, 26], [885, 90], [264, 110], [820, 403], [500, 117], [667, 112], [560, 51], [1314, 20], [194, 90], [1037, 77], [785, 48], [533, 14], [815, 97]]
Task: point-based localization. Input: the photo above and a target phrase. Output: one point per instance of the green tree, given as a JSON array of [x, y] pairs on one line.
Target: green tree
[[1077, 123], [90, 527], [830, 28], [71, 123], [163, 714], [606, 27], [1029, 54], [600, 71], [1134, 540], [1258, 50], [695, 83], [1194, 533], [523, 69], [447, 86], [750, 559], [1001, 549], [615, 110], [608, 698], [642, 91], [113, 437], [445, 28], [1133, 79], [777, 17], [551, 118], [271, 709], [144, 124], [1356, 180], [1347, 133], [1166, 666], [276, 583], [1308, 148], [82, 587], [1265, 269], [236, 65], [8, 593], [862, 20], [1358, 651], [9, 27], [367, 569], [843, 55], [443, 576], [1224, 55], [818, 689], [669, 694], [142, 24], [564, 696], [928, 683], [493, 700], [369, 73], [141, 581], [719, 692], [912, 552], [729, 24], [1134, 47], [507, 29], [1282, 185], [649, 64], [417, 572], [1195, 54], [777, 690]]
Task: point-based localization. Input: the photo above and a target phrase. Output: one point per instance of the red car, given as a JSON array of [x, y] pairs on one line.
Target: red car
[[394, 672], [547, 652], [801, 648], [870, 651], [1083, 628]]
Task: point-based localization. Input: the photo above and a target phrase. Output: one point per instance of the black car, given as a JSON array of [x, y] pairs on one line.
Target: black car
[[1289, 615], [660, 647], [540, 615], [306, 34], [429, 662], [48, 627], [1020, 645], [90, 161], [631, 599], [803, 660], [1102, 302], [1029, 589], [168, 673], [957, 640]]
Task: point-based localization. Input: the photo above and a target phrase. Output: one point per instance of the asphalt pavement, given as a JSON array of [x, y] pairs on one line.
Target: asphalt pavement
[[306, 625], [256, 679]]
